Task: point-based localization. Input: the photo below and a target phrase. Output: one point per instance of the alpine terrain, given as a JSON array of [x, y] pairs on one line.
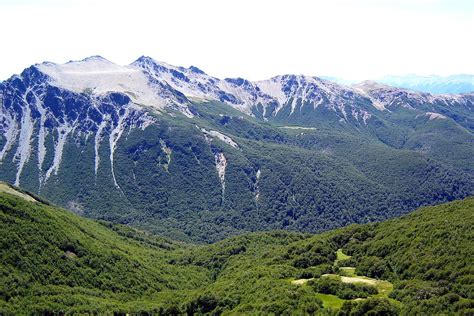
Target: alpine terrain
[[175, 151]]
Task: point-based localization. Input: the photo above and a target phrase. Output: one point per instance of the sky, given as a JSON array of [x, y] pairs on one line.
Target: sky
[[254, 39]]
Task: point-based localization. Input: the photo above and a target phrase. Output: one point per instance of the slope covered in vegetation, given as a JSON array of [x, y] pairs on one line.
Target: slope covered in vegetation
[[53, 260], [309, 171]]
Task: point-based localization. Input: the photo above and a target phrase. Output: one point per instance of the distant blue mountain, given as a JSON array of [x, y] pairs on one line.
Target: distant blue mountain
[[432, 83]]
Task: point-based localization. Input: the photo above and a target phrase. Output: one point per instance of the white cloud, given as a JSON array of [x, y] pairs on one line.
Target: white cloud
[[253, 39]]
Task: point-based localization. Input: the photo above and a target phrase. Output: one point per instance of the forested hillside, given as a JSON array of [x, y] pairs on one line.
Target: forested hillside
[[174, 151], [53, 260]]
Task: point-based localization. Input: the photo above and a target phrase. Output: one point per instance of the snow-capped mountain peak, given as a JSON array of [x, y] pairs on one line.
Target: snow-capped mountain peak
[[98, 76], [95, 96], [160, 85], [193, 82]]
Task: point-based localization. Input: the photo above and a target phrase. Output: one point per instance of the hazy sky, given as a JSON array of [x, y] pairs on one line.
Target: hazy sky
[[255, 39]]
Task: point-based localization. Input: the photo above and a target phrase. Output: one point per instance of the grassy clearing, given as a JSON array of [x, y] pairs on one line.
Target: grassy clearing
[[383, 287], [347, 271], [299, 127], [301, 281], [341, 255], [330, 301], [359, 279], [7, 189], [348, 275]]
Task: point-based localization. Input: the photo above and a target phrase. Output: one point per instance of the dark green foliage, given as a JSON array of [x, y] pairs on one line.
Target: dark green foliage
[[54, 261], [315, 272], [312, 180], [205, 303], [315, 254], [371, 306], [427, 254], [373, 267], [48, 255]]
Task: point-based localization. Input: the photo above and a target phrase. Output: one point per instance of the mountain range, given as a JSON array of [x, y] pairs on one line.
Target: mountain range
[[175, 151]]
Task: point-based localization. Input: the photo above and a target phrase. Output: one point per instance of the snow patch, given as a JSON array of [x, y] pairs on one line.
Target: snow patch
[[257, 179], [63, 132], [366, 116], [221, 164], [97, 140], [24, 143], [168, 152], [113, 139], [226, 139], [100, 76], [274, 88], [376, 103], [299, 127], [10, 132], [42, 133], [435, 116], [146, 121]]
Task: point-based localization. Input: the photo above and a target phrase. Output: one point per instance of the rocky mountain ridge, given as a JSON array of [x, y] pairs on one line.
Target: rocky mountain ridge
[[162, 146]]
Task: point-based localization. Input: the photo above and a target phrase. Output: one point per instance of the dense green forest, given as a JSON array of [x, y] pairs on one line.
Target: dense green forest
[[51, 260], [314, 172]]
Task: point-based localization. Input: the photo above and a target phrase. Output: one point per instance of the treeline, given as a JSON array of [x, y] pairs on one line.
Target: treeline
[[311, 180]]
